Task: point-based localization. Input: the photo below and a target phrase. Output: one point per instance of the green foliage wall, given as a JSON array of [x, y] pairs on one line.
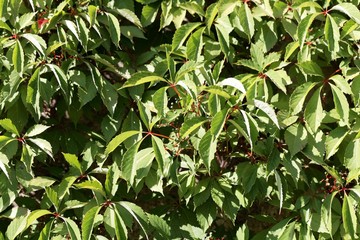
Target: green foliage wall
[[178, 119]]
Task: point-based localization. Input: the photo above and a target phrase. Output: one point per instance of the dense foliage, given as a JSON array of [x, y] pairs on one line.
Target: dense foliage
[[179, 119]]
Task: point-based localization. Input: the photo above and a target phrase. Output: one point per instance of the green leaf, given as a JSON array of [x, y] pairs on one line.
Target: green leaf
[[33, 95], [195, 44], [73, 28], [16, 227], [206, 214], [8, 197], [160, 100], [64, 186], [290, 49], [120, 228], [145, 114], [9, 126], [129, 15], [188, 67], [349, 216], [182, 33], [314, 113], [224, 39], [249, 134], [137, 213], [276, 231], [341, 104], [3, 25], [332, 34], [43, 145], [210, 15], [46, 231], [132, 122], [333, 140], [4, 165], [35, 215], [217, 90], [160, 152], [341, 83], [246, 20], [160, 225], [88, 221], [141, 78], [348, 28], [114, 28], [37, 41], [73, 161], [218, 122], [296, 138], [289, 232], [53, 197], [111, 182], [326, 212], [349, 9], [116, 141], [92, 184], [266, 108], [148, 14], [298, 97], [217, 194], [83, 32], [351, 156], [36, 130], [109, 96], [26, 20], [233, 82], [129, 163], [311, 68], [61, 78], [280, 189], [41, 182], [92, 12], [207, 149], [190, 125], [279, 78], [243, 232], [304, 26], [18, 57], [72, 228]]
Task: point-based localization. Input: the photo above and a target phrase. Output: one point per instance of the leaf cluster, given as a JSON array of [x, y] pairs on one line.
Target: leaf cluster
[[178, 119]]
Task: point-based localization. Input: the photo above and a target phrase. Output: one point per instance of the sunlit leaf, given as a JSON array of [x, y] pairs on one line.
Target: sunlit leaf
[[182, 33], [266, 108], [88, 221]]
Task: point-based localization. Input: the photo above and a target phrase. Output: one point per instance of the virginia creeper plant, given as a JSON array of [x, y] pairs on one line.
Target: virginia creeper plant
[[174, 119]]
